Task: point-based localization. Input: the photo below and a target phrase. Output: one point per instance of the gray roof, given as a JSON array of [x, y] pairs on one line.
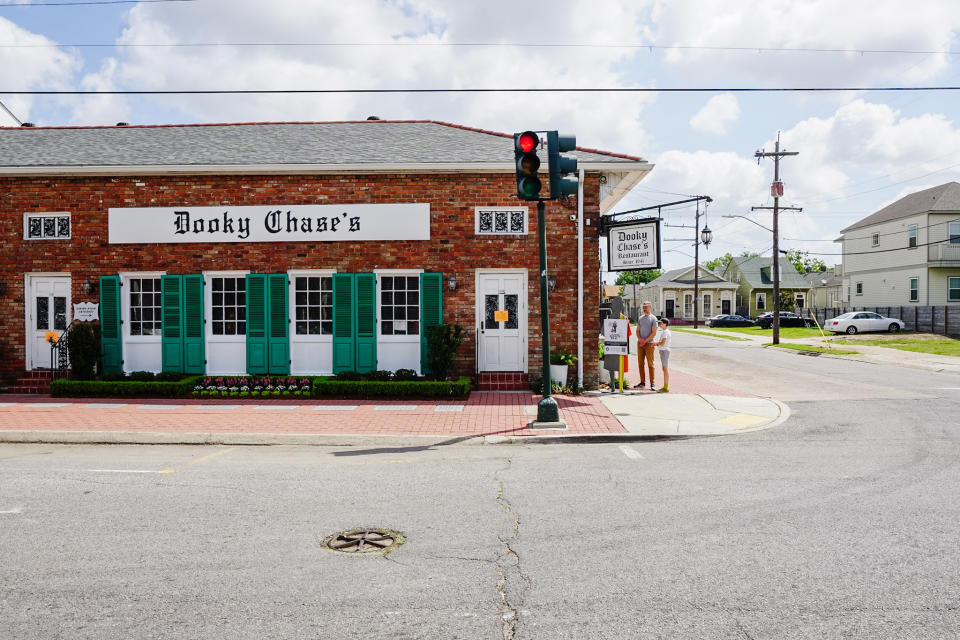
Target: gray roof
[[756, 271], [945, 198], [295, 143], [670, 277], [817, 278]]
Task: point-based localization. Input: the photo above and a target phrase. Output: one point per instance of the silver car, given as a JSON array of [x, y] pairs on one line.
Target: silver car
[[859, 321]]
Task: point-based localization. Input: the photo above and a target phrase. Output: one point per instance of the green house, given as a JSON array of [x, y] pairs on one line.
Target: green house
[[754, 280]]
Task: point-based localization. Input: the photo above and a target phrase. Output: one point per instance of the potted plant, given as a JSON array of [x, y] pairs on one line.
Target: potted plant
[[560, 362]]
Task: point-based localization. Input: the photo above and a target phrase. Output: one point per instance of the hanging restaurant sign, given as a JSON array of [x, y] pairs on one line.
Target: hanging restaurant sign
[[273, 223], [633, 245]]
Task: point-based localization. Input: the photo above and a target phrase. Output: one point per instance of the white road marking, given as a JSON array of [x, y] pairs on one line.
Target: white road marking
[[122, 471], [14, 510], [630, 452]]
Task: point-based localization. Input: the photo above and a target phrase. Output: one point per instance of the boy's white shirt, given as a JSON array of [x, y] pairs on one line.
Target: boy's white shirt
[[665, 335]]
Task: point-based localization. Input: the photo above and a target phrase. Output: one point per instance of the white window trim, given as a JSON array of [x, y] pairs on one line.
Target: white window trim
[[395, 272], [125, 278], [916, 236], [948, 288], [45, 214], [526, 222], [875, 240], [917, 278], [949, 233], [208, 277], [291, 277], [858, 285], [764, 296]]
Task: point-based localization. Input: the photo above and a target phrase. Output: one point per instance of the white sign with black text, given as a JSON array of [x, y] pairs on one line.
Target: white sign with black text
[[615, 337], [86, 311], [634, 245], [270, 223]]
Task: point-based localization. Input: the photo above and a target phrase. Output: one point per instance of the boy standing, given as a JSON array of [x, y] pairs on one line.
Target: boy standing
[[664, 346]]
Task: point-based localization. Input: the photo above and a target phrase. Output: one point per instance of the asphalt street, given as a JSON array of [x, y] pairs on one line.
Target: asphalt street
[[840, 523]]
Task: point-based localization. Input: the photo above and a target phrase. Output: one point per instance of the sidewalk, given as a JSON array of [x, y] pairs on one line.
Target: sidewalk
[[696, 407]]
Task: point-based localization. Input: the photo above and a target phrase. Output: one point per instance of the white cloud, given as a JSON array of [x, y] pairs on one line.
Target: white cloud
[[716, 114]]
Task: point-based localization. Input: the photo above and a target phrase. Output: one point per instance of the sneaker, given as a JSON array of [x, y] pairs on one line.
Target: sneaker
[[640, 385], [663, 390], [652, 388]]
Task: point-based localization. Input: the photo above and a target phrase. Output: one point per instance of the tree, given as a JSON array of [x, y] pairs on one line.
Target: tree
[[719, 265], [787, 301], [638, 277], [804, 263]]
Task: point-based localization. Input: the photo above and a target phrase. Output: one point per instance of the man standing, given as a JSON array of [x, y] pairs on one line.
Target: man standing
[[646, 332]]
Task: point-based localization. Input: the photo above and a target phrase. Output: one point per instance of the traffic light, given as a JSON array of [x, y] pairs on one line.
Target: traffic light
[[525, 152], [561, 165]]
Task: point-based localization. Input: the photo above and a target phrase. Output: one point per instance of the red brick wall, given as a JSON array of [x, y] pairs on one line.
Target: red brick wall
[[453, 247]]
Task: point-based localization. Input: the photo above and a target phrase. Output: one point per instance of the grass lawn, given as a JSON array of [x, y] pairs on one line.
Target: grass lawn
[[785, 332], [712, 335], [940, 347], [812, 348]]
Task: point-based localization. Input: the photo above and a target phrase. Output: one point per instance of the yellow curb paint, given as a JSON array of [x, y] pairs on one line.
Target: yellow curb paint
[[742, 420], [199, 460]]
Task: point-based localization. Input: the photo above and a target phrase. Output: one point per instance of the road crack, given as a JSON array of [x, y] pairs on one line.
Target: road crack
[[512, 584]]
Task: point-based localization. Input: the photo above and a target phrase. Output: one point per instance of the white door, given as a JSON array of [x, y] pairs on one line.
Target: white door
[[502, 321], [48, 310]]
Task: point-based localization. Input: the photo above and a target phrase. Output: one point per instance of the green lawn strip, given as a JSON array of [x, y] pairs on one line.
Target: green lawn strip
[[945, 347], [811, 348], [785, 332], [708, 334]]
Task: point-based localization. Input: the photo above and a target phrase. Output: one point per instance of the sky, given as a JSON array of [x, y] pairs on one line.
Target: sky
[[858, 150]]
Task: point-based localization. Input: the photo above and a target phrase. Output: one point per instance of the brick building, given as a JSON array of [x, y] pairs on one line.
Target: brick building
[[302, 248]]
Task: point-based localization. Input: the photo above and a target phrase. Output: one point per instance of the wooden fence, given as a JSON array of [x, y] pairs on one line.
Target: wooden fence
[[943, 320]]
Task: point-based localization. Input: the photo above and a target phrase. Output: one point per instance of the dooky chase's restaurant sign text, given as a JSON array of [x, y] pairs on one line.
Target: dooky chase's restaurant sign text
[[273, 223]]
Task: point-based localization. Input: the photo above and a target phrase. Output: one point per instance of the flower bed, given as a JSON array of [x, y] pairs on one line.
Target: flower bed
[[253, 387]]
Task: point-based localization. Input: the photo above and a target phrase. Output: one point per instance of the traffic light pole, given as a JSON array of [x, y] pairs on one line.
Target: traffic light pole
[[548, 413]]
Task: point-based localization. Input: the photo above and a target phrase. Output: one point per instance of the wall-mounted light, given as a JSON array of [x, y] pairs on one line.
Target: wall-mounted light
[[89, 286], [452, 283], [551, 283]]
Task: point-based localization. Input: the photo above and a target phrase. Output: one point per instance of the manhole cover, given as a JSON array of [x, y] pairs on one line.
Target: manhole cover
[[364, 541]]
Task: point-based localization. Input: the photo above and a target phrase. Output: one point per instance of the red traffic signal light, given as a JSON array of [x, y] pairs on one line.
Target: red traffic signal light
[[525, 147], [527, 142]]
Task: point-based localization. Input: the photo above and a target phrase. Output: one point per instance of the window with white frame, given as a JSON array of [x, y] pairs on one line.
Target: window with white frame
[[859, 288], [313, 305], [875, 239], [500, 221], [761, 301], [400, 305], [953, 231], [914, 289], [800, 300], [953, 289], [145, 306], [46, 226], [912, 236], [228, 306]]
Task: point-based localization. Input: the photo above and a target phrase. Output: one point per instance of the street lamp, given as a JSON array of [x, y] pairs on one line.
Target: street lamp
[[706, 236]]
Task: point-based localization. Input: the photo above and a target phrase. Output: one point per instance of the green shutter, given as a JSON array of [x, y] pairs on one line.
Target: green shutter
[[111, 346], [344, 351], [194, 353], [431, 311], [366, 315], [279, 324], [171, 325], [257, 324]]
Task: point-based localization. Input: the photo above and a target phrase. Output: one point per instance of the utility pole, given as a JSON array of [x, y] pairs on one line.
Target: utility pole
[[776, 190]]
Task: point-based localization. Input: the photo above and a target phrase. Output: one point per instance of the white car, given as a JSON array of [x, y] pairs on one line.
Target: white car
[[857, 321]]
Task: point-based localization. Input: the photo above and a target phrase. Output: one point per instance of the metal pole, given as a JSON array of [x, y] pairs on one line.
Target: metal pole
[[696, 267], [547, 409], [776, 245]]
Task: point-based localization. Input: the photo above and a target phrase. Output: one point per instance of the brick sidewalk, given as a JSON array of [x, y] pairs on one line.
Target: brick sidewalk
[[682, 382], [484, 413]]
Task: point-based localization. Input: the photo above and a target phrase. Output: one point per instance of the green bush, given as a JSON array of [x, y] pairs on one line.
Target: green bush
[[142, 376], [562, 357], [67, 388], [403, 389], [169, 376], [349, 375], [83, 346], [443, 340], [405, 374], [379, 375]]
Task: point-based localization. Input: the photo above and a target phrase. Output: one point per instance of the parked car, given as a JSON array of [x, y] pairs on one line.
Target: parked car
[[729, 321], [787, 319], [857, 321]]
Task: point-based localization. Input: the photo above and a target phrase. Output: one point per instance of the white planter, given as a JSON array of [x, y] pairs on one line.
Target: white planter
[[558, 373]]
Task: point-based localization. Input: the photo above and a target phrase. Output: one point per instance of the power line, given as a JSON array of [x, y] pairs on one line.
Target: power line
[[524, 45], [889, 233], [491, 90], [76, 4], [864, 253]]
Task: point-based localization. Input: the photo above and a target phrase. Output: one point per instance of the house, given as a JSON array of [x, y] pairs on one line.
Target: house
[[293, 248], [672, 294], [907, 253], [825, 289], [754, 280]]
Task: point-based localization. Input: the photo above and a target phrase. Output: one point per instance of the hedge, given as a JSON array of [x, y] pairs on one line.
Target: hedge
[[400, 389], [67, 388]]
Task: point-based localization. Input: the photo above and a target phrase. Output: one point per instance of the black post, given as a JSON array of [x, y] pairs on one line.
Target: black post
[[547, 409]]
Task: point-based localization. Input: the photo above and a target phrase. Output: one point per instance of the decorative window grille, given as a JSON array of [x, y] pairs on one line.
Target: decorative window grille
[[46, 226], [501, 221]]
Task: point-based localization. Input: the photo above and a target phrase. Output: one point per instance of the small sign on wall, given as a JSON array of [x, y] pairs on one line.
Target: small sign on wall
[[86, 311]]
